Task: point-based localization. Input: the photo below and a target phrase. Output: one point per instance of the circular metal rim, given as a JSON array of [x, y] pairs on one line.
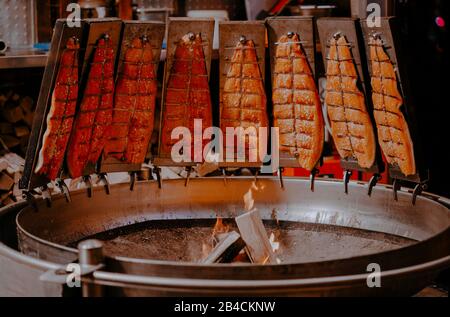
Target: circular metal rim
[[174, 264]]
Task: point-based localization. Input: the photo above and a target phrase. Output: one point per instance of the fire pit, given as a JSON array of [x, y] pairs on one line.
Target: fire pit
[[154, 239]]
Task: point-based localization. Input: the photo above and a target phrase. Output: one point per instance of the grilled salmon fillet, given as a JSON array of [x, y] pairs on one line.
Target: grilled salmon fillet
[[134, 104], [393, 131], [61, 114], [244, 102], [95, 116], [296, 104], [351, 126], [188, 95]]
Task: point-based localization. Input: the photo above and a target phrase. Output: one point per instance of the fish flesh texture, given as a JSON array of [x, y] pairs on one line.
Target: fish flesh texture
[[244, 101], [61, 114], [296, 104], [188, 95], [351, 125], [393, 131], [95, 115], [134, 104]]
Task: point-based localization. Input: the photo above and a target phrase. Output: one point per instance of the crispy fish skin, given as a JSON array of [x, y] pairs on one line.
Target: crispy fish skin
[[188, 95], [296, 102], [61, 114], [351, 126], [244, 102], [134, 105], [393, 132], [95, 116]]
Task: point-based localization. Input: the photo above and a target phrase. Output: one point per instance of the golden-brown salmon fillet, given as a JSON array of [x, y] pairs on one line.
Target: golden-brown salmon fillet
[[351, 126], [393, 132], [296, 103], [244, 99]]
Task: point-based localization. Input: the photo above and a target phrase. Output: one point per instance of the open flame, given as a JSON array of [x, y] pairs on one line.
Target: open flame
[[220, 228]]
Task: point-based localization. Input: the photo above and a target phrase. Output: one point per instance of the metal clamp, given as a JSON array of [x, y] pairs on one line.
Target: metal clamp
[[373, 182], [189, 171], [87, 180], [103, 177], [280, 176], [418, 190], [347, 175], [396, 186], [133, 178], [64, 189], [157, 171], [312, 178]]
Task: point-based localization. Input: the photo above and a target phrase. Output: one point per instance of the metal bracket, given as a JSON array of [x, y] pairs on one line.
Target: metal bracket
[[157, 171], [104, 177], [373, 182], [280, 175], [396, 186], [133, 178], [87, 180], [347, 176], [64, 189], [312, 178]]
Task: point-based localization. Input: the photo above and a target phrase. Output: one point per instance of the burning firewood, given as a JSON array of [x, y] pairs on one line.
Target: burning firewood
[[254, 234]]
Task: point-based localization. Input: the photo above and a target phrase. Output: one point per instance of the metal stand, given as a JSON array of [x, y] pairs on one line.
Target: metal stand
[[133, 177], [396, 187], [87, 180], [104, 177], [157, 171], [312, 178], [373, 182], [64, 189]]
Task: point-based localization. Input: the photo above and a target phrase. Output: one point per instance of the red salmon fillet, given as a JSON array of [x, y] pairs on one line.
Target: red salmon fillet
[[95, 116], [297, 108], [351, 126], [188, 96], [134, 105], [244, 102], [393, 131], [61, 113]]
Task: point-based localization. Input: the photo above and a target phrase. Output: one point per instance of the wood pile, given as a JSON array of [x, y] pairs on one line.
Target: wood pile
[[16, 120]]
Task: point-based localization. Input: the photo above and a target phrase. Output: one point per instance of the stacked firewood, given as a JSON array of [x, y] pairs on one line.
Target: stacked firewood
[[16, 119]]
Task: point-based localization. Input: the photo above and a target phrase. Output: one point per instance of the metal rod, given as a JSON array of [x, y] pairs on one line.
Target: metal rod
[[312, 178], [396, 187], [280, 175], [373, 182], [87, 180], [347, 176]]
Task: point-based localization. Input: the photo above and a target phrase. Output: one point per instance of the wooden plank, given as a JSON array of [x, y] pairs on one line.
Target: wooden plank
[[177, 28], [226, 250], [154, 31], [254, 234]]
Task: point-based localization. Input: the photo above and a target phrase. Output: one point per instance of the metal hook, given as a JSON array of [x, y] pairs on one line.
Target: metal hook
[[64, 189], [224, 173], [106, 36], [191, 36], [396, 186], [104, 177], [189, 171], [133, 177], [144, 38], [347, 176], [312, 178], [87, 180], [373, 182], [243, 39], [280, 175], [418, 190], [157, 171], [290, 34]]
